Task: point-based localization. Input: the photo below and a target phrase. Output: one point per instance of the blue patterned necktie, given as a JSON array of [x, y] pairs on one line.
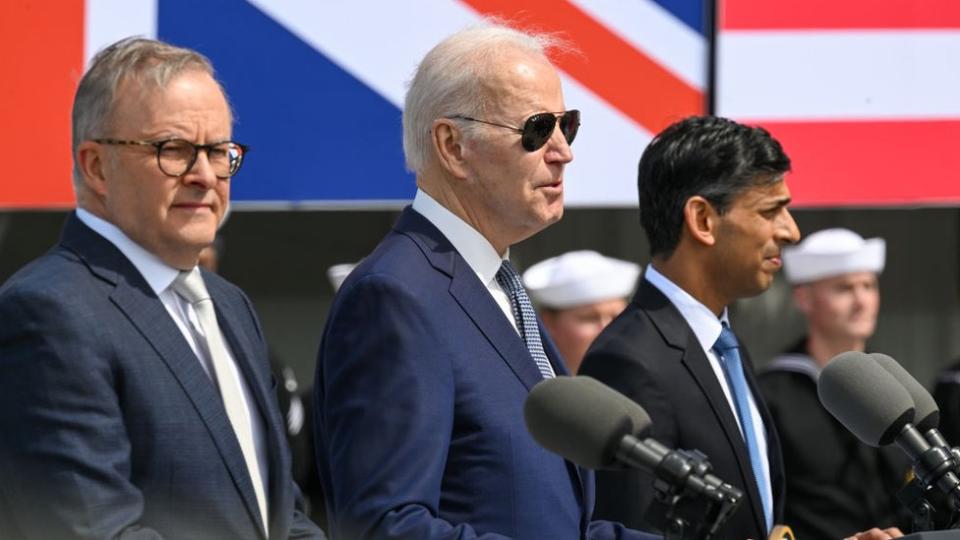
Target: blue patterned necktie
[[728, 350], [523, 312]]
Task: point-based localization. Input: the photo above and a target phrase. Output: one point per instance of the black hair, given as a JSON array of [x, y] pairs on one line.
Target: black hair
[[709, 156]]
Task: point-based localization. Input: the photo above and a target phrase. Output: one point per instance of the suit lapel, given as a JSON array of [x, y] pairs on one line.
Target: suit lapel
[[577, 474], [677, 333], [476, 301], [472, 296], [134, 298]]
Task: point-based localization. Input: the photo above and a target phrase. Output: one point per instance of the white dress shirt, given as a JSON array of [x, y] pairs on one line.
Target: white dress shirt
[[479, 253], [706, 327], [159, 276]]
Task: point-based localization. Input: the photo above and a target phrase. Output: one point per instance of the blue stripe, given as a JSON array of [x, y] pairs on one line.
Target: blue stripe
[[316, 133], [691, 12]]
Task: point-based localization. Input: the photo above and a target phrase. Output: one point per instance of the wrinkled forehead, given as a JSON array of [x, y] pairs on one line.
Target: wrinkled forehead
[[148, 87], [516, 79], [142, 94]]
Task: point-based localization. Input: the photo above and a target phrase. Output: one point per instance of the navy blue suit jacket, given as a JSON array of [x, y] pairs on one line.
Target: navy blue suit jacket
[[109, 427], [420, 386]]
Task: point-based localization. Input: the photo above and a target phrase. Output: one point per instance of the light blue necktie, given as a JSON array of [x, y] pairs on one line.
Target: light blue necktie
[[728, 350], [526, 318]]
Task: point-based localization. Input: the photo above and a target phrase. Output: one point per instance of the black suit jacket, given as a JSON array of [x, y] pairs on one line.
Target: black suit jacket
[[650, 354], [110, 427]]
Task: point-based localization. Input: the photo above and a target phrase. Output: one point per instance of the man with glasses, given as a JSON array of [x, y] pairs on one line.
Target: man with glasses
[[135, 394], [431, 345]]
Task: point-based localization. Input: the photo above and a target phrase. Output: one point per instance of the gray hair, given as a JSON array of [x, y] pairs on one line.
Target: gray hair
[[449, 79], [145, 60]]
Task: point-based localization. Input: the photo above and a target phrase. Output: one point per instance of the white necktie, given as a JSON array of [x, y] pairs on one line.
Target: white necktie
[[189, 285]]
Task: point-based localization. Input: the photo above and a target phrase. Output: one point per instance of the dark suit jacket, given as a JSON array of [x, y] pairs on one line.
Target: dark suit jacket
[[650, 354], [836, 485], [419, 395], [110, 427]]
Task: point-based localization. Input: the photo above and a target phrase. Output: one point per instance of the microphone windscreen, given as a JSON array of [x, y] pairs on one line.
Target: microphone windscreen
[[865, 398], [926, 413], [580, 418]]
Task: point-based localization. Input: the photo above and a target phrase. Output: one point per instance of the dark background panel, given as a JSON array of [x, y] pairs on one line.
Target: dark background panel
[[281, 260]]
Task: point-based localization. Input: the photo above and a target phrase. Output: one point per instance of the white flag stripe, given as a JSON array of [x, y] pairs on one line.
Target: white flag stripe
[[606, 152], [653, 30], [610, 143], [813, 75], [107, 21], [379, 43]]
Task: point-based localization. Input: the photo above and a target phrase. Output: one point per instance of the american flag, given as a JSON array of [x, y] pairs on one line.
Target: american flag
[[863, 94]]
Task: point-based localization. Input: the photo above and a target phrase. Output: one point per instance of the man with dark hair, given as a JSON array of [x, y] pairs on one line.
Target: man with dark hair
[[713, 203]]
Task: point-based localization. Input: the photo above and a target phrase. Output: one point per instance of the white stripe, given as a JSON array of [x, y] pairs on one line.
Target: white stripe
[[107, 21], [606, 152], [609, 144], [656, 32], [839, 74], [379, 43]]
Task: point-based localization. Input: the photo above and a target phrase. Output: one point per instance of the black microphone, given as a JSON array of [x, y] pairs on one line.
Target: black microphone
[[875, 407], [596, 427], [926, 416]]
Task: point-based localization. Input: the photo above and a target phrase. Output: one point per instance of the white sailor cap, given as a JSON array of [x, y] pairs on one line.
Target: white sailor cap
[[832, 252], [579, 277], [339, 272]]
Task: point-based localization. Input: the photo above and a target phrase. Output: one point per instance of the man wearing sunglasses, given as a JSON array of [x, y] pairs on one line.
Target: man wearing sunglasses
[[431, 345], [135, 393]]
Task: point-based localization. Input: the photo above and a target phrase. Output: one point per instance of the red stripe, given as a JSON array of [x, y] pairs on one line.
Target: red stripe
[[43, 59], [624, 77], [840, 15], [871, 163]]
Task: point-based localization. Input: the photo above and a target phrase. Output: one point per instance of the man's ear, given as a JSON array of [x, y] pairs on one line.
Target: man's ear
[[447, 140], [91, 160], [701, 219]]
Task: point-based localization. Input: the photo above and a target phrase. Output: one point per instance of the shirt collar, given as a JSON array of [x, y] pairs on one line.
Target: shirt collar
[[705, 325], [479, 253], [157, 273]]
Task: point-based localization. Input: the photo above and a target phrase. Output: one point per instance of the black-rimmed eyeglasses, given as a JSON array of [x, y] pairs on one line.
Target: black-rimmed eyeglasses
[[537, 129], [176, 157]]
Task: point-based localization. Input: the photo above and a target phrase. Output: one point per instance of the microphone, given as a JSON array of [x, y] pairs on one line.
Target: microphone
[[597, 427], [926, 412], [873, 405]]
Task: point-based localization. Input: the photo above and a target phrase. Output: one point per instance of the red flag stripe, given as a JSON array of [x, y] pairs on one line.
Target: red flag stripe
[[43, 61], [621, 75], [842, 15], [839, 163]]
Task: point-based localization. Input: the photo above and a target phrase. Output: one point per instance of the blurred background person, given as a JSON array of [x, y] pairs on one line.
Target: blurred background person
[[836, 485], [339, 272], [578, 294]]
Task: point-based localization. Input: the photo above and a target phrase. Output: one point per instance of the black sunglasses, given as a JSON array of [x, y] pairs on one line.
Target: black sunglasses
[[537, 129]]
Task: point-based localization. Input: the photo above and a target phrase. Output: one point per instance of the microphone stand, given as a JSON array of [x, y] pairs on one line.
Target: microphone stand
[[930, 470], [694, 505]]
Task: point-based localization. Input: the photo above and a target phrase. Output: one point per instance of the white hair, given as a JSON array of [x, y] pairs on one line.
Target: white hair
[[449, 79]]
